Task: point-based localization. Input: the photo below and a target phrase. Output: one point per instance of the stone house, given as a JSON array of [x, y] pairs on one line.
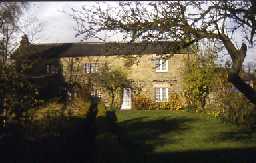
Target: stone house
[[158, 75]]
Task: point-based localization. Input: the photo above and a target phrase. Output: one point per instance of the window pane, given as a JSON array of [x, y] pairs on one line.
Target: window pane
[[93, 67], [163, 64], [48, 68], [54, 69], [99, 93], [87, 68], [157, 94], [157, 64], [164, 94], [96, 67]]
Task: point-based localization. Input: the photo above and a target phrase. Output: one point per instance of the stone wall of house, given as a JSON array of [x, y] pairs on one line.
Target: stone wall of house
[[143, 72]]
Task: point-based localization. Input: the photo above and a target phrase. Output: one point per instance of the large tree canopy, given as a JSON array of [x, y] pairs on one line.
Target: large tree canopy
[[10, 13], [183, 21]]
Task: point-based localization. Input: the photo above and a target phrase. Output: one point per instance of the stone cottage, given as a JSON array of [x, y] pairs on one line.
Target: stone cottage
[[158, 75]]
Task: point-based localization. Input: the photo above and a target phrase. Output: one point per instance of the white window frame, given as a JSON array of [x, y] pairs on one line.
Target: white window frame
[[96, 92], [161, 92], [52, 69], [88, 68], [159, 68]]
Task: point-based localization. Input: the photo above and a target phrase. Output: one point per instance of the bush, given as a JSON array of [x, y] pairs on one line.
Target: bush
[[239, 110], [234, 108], [175, 102], [17, 94], [101, 110], [198, 76], [142, 102], [189, 108]]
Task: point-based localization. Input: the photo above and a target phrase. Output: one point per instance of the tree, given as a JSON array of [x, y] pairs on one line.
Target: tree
[[31, 26], [182, 21], [198, 78], [17, 95], [111, 80], [10, 13]]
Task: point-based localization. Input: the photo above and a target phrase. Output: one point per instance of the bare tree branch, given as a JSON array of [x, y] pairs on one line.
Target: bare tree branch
[[173, 21]]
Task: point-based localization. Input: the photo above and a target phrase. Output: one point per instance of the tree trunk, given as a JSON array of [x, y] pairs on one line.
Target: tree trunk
[[246, 89], [112, 100], [237, 56]]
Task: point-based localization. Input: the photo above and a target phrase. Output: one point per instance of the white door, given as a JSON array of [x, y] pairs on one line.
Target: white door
[[127, 99]]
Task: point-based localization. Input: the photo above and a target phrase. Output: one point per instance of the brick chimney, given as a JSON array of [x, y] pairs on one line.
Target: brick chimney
[[24, 41]]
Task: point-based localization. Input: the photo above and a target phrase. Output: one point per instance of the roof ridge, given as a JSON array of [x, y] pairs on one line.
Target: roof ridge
[[92, 42]]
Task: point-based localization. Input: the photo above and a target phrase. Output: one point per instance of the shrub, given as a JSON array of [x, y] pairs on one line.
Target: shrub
[[175, 102], [141, 102], [234, 108], [239, 110], [189, 108], [112, 80], [78, 107], [198, 76], [17, 94], [101, 110]]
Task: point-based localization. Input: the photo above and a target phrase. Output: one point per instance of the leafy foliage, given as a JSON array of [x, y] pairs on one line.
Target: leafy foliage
[[17, 94], [182, 21], [111, 80], [229, 104], [10, 13], [142, 102], [198, 79], [238, 110]]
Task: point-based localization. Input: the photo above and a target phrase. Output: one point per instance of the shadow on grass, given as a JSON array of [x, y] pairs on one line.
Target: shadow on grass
[[132, 140], [69, 141], [227, 155], [148, 133], [243, 135], [141, 136]]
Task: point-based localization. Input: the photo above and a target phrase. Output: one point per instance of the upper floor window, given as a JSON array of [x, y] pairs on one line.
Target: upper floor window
[[90, 68], [161, 65], [52, 69], [161, 94]]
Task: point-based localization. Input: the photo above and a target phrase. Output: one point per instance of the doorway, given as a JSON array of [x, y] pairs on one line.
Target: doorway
[[127, 99]]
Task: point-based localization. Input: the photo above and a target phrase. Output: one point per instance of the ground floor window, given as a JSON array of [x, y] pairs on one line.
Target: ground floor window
[[90, 68], [96, 92], [52, 69], [161, 94]]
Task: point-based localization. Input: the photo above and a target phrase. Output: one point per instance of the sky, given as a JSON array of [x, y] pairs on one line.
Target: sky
[[58, 27]]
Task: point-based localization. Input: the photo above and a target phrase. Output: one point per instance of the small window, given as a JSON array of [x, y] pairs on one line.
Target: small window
[[161, 94], [161, 65], [52, 69], [90, 68], [96, 92]]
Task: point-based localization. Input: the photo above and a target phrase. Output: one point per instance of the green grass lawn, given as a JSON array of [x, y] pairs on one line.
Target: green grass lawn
[[136, 137], [164, 136]]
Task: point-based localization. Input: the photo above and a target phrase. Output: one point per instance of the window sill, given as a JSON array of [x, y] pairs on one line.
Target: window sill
[[161, 101], [161, 70]]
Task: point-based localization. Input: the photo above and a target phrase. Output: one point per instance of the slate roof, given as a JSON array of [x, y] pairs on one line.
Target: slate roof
[[102, 49]]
